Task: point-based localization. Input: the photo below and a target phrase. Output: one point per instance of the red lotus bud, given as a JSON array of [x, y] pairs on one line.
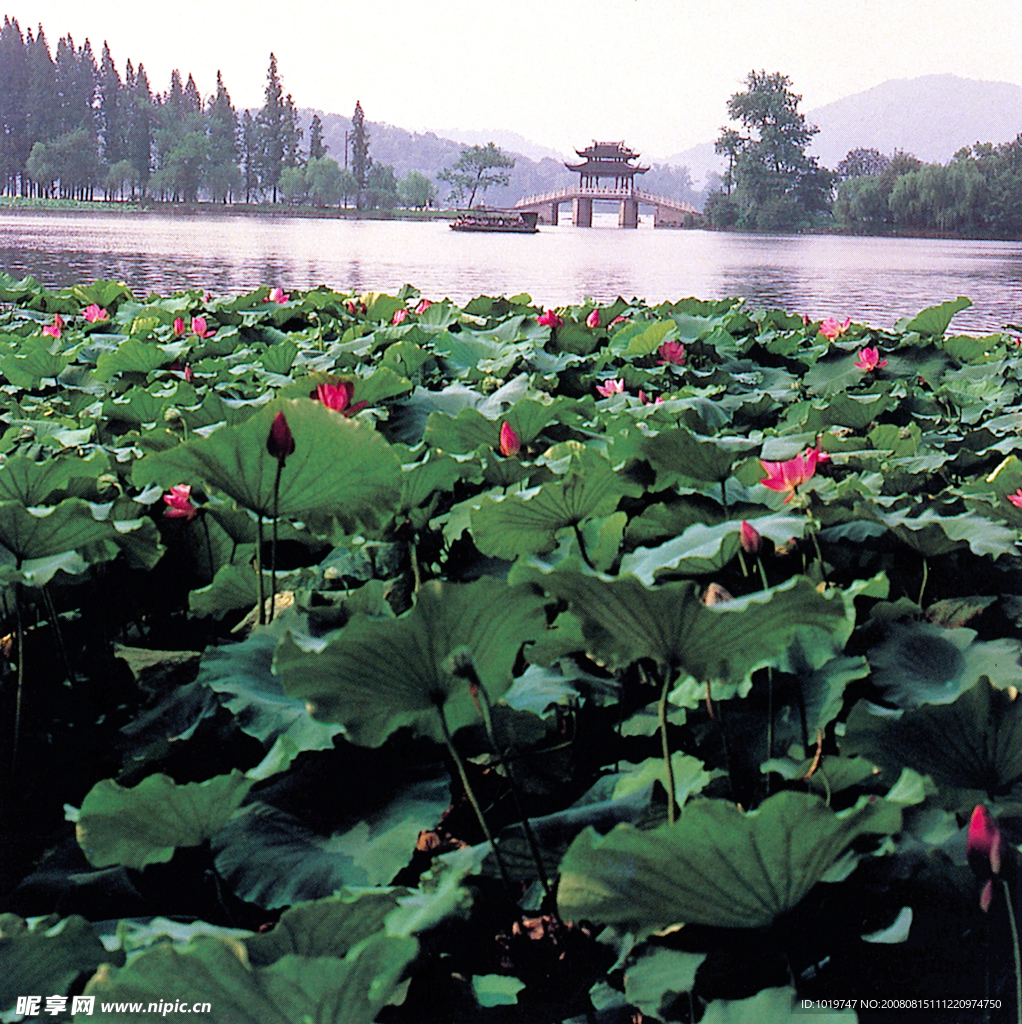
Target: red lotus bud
[[509, 443], [280, 444], [750, 538], [983, 846]]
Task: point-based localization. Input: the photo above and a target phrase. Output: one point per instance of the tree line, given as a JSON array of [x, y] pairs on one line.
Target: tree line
[[772, 184], [72, 126]]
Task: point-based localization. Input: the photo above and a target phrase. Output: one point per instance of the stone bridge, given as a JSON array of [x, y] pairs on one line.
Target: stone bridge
[[667, 212]]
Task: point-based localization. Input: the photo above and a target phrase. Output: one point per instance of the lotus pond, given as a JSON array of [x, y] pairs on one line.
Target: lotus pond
[[369, 658]]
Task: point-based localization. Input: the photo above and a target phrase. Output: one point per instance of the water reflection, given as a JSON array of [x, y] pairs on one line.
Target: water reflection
[[871, 279]]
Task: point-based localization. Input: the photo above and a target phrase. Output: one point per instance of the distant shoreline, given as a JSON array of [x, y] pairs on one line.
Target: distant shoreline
[[99, 206]]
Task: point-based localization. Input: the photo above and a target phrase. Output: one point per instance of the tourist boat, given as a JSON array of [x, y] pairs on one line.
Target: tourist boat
[[522, 222]]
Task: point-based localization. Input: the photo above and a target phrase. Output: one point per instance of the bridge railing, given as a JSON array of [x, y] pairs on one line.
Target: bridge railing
[[575, 192]]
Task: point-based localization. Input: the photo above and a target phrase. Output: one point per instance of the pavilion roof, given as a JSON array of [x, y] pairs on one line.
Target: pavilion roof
[[607, 168], [608, 151]]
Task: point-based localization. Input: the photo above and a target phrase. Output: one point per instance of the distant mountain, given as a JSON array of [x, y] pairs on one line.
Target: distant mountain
[[510, 142], [430, 153], [932, 117], [701, 162]]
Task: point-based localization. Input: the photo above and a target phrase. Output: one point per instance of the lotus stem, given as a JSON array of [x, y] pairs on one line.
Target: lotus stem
[[741, 562], [259, 568], [414, 559], [922, 586], [487, 713], [470, 793], [1015, 949], [273, 542], [762, 573], [770, 721], [582, 548], [21, 678], [52, 612], [666, 748]]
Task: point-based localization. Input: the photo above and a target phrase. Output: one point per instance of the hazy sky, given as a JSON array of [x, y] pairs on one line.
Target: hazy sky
[[656, 73]]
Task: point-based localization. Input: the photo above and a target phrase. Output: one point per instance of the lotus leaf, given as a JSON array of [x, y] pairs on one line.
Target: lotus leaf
[[339, 467], [716, 865]]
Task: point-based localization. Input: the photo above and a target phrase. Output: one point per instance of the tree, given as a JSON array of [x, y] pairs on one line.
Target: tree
[[416, 191], [360, 159], [381, 188], [15, 143], [141, 120], [776, 185], [222, 174], [317, 149], [270, 122], [730, 144], [112, 119], [477, 169], [250, 155], [292, 185], [323, 178], [347, 183], [291, 134], [859, 162]]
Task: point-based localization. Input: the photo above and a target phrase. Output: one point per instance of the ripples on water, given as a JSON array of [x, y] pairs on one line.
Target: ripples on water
[[876, 280]]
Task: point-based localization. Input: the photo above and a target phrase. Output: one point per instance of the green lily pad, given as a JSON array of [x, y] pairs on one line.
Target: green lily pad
[[145, 824], [46, 956], [378, 675], [972, 749], [772, 1006], [339, 467], [496, 989], [680, 453], [51, 530], [292, 990], [723, 645], [655, 979], [716, 865], [935, 319]]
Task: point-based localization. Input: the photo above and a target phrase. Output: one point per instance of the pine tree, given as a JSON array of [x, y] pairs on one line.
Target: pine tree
[[317, 149], [222, 118], [270, 121], [191, 101], [251, 157], [14, 140], [42, 102], [360, 159], [291, 134], [140, 127], [113, 125]]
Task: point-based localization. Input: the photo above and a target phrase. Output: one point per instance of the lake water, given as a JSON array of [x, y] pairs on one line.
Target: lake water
[[876, 280]]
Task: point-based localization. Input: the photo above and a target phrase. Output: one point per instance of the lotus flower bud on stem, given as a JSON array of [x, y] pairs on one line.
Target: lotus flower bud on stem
[[750, 538], [280, 443], [509, 443]]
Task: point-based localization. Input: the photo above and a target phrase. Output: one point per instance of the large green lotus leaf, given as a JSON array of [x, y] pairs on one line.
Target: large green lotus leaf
[[643, 339], [702, 549], [470, 429], [934, 320], [377, 675], [434, 472], [31, 482], [1004, 480], [723, 644], [35, 360], [274, 859], [921, 663], [328, 927], [233, 587], [972, 749], [681, 452], [931, 533], [106, 294], [44, 532], [145, 824], [655, 979], [506, 526], [772, 1006], [294, 990], [716, 865], [243, 674], [339, 466], [833, 374], [46, 956], [845, 410], [136, 356]]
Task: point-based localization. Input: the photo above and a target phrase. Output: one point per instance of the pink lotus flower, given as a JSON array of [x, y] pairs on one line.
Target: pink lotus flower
[[612, 387], [648, 401], [509, 443], [750, 538], [1016, 498], [277, 294], [833, 328], [280, 443], [550, 319], [422, 307], [618, 320], [338, 397], [179, 328], [400, 316], [983, 849], [869, 359], [593, 320], [93, 313], [179, 503], [189, 376], [789, 475], [200, 328], [53, 330], [672, 352]]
